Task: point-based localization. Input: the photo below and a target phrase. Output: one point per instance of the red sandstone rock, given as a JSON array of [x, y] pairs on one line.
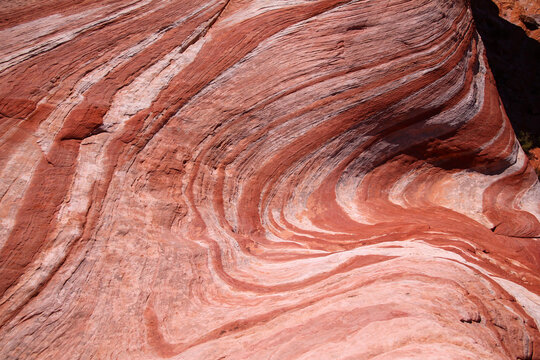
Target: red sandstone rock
[[260, 180], [534, 157], [523, 13]]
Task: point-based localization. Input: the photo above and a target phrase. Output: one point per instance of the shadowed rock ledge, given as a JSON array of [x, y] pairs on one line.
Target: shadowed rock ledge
[[264, 179], [513, 55]]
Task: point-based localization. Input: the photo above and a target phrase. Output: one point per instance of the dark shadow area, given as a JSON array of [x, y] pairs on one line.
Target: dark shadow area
[[514, 59]]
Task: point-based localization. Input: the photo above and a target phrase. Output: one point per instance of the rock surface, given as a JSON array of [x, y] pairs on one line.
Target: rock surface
[[513, 54], [523, 13], [260, 180], [534, 157]]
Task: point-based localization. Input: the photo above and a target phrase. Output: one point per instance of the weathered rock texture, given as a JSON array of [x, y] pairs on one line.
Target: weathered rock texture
[[513, 55], [523, 13], [260, 180]]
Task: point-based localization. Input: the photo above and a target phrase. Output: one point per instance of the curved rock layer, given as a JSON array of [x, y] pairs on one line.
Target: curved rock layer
[[256, 179]]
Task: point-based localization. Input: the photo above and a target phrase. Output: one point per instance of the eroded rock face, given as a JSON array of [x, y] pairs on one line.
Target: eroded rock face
[[513, 55], [523, 13], [260, 179]]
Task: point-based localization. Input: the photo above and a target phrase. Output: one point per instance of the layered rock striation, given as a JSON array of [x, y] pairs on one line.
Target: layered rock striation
[[513, 55], [260, 180]]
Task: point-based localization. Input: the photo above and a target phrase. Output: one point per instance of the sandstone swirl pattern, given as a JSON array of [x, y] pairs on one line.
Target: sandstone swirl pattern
[[260, 179]]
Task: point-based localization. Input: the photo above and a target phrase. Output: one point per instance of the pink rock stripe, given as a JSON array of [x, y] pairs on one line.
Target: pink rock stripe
[[260, 179]]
